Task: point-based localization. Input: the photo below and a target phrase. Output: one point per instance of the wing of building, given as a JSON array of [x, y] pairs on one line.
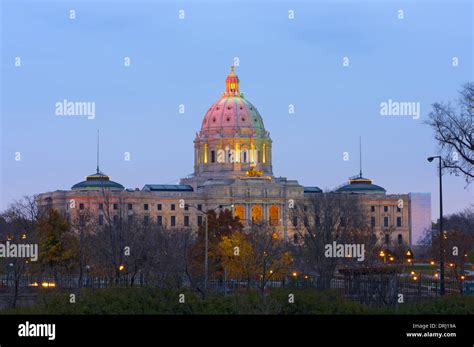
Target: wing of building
[[232, 167]]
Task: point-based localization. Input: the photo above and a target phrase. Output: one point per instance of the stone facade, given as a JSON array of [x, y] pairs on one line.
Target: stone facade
[[232, 169]]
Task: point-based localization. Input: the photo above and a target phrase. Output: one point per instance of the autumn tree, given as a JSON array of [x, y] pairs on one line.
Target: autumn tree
[[271, 255], [57, 243], [219, 225], [238, 257]]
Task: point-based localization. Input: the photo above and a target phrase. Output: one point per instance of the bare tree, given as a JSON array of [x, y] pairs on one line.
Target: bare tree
[[328, 218], [18, 224], [454, 132], [458, 242]]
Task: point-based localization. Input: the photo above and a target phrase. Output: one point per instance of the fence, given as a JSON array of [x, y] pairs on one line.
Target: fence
[[370, 290]]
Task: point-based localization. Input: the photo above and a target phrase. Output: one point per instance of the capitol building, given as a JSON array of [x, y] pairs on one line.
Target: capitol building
[[233, 169]]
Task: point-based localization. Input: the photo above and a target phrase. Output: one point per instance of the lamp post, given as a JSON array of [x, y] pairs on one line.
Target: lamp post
[[441, 233], [206, 241]]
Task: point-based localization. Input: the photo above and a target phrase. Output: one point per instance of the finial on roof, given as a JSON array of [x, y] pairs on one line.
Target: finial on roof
[[98, 151], [360, 156]]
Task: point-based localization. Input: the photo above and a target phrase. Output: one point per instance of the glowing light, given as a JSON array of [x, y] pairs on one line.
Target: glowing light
[[34, 284], [48, 284], [451, 264], [306, 277], [382, 253], [432, 262], [409, 260], [408, 253], [415, 278], [436, 275], [294, 274], [23, 236], [392, 258], [121, 267], [412, 273], [463, 278], [271, 271]]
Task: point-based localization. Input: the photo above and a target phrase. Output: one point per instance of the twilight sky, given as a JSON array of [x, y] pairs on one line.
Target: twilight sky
[[177, 61]]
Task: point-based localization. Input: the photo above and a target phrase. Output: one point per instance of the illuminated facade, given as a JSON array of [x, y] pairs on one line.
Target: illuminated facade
[[232, 167]]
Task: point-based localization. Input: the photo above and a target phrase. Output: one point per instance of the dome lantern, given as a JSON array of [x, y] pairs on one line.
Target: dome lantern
[[232, 83]]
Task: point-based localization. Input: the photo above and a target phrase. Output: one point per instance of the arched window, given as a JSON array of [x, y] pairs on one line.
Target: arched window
[[400, 239], [213, 156], [274, 215], [239, 211], [244, 156], [387, 239], [256, 214]]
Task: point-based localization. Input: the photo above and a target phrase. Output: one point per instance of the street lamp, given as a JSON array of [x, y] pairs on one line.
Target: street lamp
[[206, 241], [441, 234]]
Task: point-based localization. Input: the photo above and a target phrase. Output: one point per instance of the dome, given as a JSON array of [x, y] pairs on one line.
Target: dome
[[232, 115], [232, 141], [97, 181], [360, 185]]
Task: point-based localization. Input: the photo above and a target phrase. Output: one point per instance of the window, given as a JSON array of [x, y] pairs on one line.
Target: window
[[199, 220], [146, 220], [145, 207], [372, 208], [130, 219], [199, 207], [399, 222], [115, 206], [81, 206], [400, 239], [158, 207], [399, 209], [372, 222], [101, 219], [213, 156], [385, 222], [186, 207], [387, 239], [130, 206], [173, 207], [159, 221], [186, 221], [101, 206], [385, 208], [173, 221], [295, 221]]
